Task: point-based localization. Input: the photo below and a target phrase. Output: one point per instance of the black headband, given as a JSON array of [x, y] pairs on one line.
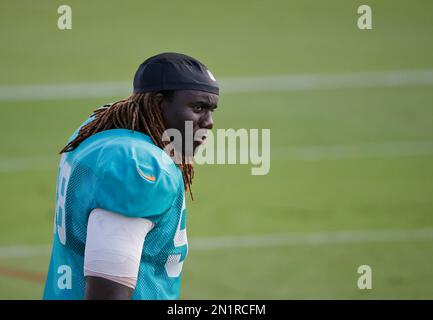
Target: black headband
[[173, 71]]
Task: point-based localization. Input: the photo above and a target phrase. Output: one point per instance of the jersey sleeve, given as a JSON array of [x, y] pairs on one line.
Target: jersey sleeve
[[132, 182]]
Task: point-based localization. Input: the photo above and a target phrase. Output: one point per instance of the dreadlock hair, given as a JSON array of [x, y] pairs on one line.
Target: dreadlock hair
[[139, 112]]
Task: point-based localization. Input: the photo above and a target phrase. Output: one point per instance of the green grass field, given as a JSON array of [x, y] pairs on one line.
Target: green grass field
[[386, 183]]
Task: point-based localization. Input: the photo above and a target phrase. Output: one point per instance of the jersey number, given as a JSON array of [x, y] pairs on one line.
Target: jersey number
[[173, 266], [62, 185]]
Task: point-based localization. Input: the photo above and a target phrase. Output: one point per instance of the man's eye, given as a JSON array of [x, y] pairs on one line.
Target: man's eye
[[198, 108]]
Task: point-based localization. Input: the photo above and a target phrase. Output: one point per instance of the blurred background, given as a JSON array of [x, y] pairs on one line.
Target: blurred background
[[351, 119]]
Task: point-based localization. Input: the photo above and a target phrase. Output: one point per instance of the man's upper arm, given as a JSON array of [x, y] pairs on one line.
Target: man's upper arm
[[113, 251], [98, 288]]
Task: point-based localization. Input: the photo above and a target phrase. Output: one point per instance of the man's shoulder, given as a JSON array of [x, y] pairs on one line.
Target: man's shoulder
[[129, 148], [134, 176], [127, 144]]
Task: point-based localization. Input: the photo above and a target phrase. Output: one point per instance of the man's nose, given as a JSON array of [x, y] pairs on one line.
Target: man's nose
[[207, 121]]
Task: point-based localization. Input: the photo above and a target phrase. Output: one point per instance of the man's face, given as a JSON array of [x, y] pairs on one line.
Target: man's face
[[190, 105]]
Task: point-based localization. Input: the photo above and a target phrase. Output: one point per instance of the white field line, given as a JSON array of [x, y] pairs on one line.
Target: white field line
[[301, 153], [11, 164], [314, 238], [271, 240], [8, 252], [341, 152], [293, 82]]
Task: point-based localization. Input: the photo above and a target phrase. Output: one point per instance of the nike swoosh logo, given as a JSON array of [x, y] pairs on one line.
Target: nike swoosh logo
[[151, 178]]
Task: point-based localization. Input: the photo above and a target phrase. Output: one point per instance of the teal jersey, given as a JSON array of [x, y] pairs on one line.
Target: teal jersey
[[121, 171]]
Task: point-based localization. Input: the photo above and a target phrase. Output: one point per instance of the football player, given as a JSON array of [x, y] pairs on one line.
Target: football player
[[120, 218]]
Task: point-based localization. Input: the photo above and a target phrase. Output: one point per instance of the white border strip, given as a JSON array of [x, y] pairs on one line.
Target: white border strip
[[256, 241], [297, 82]]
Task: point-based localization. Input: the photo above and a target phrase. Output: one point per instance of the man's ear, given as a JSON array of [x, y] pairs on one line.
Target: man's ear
[[162, 101], [159, 98]]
